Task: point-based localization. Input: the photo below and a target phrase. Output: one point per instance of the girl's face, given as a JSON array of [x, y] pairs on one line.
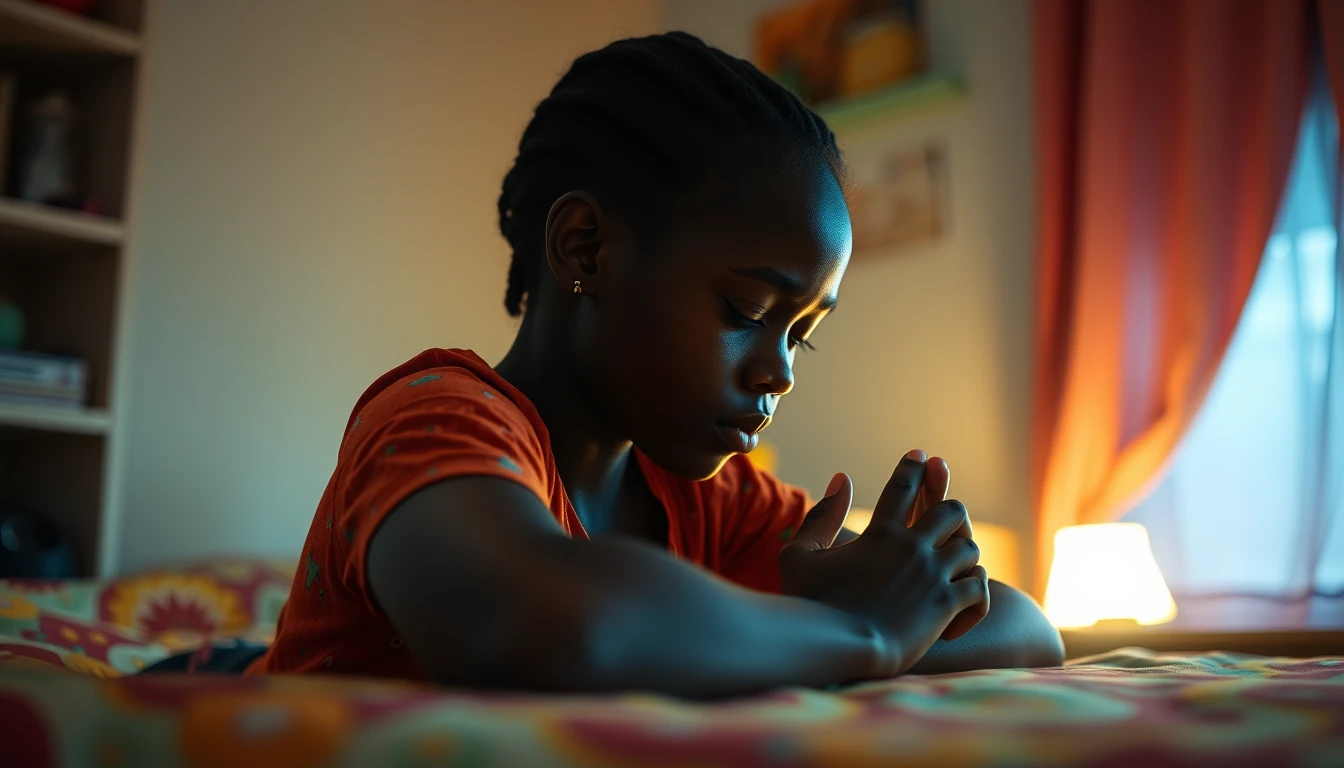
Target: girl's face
[[693, 341]]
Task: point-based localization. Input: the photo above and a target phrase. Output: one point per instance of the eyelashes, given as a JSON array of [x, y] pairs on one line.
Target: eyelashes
[[741, 321]]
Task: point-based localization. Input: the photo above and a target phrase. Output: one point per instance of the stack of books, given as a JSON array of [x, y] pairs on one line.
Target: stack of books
[[28, 378]]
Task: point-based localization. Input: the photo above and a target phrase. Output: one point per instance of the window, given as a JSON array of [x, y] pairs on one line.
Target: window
[[1248, 525]]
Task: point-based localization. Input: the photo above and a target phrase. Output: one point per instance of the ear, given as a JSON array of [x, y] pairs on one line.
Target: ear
[[576, 230]]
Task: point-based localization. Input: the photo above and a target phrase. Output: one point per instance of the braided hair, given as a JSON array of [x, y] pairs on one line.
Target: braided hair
[[637, 124]]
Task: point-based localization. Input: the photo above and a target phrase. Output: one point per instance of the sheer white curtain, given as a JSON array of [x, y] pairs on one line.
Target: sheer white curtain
[[1248, 524]]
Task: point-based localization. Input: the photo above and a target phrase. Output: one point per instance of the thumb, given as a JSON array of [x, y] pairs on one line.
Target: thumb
[[827, 517]]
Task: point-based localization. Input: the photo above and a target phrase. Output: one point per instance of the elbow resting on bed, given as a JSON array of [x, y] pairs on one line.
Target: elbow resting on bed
[[1014, 634]]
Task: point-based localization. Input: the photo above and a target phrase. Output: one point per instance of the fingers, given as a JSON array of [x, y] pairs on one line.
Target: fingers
[[937, 479], [898, 498], [944, 520], [971, 593], [960, 554], [824, 521]]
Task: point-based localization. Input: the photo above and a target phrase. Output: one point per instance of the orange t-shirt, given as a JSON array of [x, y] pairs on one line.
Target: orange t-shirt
[[446, 414]]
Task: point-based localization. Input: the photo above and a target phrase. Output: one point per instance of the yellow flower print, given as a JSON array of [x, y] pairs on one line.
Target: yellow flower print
[[15, 607], [162, 603], [81, 663]]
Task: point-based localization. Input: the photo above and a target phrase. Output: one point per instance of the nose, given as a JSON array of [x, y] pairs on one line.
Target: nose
[[771, 371]]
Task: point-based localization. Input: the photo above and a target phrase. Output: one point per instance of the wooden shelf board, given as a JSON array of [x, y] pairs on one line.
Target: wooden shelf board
[[83, 421], [916, 95], [30, 26], [22, 222]]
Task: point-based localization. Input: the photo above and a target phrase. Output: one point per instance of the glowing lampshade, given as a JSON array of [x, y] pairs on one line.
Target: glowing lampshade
[[1106, 572]]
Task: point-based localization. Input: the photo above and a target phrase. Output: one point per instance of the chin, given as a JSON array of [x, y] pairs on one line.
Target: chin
[[690, 465]]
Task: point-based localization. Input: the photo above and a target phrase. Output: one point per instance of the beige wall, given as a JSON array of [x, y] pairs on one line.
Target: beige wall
[[930, 347], [316, 204]]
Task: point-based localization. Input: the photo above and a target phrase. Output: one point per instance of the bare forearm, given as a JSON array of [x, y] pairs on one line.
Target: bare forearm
[[1014, 634], [650, 622], [549, 612]]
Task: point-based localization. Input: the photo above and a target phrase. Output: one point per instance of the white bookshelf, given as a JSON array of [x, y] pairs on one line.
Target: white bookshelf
[[66, 269]]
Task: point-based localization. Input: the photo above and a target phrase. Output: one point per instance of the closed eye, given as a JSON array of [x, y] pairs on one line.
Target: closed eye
[[739, 319]]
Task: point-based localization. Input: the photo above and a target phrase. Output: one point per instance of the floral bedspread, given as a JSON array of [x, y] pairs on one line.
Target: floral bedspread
[[116, 627], [64, 700]]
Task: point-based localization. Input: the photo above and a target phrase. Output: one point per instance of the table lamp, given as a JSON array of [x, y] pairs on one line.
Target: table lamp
[[1106, 573]]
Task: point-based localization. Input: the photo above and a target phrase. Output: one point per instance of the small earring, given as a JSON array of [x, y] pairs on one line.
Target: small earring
[[578, 287]]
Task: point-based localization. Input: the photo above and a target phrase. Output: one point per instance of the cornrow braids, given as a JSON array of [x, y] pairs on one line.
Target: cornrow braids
[[636, 124]]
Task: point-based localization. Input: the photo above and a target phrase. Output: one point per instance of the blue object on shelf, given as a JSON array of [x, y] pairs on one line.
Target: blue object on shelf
[[11, 325]]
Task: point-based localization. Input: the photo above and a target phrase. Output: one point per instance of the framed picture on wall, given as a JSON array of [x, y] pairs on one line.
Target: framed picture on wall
[[897, 196]]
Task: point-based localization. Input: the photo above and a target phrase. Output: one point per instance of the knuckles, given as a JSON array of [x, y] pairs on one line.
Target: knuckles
[[903, 483]]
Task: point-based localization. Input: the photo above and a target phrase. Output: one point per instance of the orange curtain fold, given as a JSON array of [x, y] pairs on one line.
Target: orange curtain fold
[[1164, 137]]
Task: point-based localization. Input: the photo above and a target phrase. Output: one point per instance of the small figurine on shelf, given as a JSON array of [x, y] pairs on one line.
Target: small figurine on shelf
[[46, 171]]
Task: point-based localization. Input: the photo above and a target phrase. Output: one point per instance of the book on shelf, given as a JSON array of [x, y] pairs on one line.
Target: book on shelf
[[30, 376]]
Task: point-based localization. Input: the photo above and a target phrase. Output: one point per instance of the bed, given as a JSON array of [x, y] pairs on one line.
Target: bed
[[68, 698]]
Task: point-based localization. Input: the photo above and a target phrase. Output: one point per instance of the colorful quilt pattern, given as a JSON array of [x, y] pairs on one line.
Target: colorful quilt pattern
[[65, 700]]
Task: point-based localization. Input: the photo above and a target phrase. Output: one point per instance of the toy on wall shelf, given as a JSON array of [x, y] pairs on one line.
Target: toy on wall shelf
[[824, 50]]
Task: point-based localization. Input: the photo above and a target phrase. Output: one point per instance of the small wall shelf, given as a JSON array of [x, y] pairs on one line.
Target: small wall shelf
[[913, 96]]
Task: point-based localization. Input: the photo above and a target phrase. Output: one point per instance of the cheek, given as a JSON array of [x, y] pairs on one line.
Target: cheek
[[675, 347]]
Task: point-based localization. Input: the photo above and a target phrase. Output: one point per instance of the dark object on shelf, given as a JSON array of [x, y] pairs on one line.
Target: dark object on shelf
[[32, 547], [47, 167]]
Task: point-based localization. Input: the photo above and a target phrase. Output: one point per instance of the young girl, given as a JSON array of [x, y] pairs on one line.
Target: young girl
[[581, 516]]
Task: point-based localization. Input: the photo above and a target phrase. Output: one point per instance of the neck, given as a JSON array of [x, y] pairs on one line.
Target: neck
[[594, 463]]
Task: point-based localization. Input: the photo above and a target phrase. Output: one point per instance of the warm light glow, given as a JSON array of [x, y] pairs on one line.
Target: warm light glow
[[765, 457], [999, 550], [1106, 572]]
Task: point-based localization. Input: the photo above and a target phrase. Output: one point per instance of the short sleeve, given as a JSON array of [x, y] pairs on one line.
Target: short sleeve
[[428, 427], [763, 516]]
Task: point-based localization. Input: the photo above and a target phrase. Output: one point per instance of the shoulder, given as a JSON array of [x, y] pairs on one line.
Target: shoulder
[[443, 385]]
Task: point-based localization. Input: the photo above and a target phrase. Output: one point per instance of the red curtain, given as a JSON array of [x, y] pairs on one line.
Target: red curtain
[[1332, 40], [1165, 132]]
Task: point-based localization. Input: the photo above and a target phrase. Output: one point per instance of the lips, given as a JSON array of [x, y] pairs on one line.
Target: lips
[[742, 434]]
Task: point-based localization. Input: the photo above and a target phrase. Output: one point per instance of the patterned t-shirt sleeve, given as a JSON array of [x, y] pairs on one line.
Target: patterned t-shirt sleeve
[[766, 513], [424, 429]]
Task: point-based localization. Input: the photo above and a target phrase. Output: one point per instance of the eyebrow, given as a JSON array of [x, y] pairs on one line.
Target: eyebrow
[[782, 282]]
